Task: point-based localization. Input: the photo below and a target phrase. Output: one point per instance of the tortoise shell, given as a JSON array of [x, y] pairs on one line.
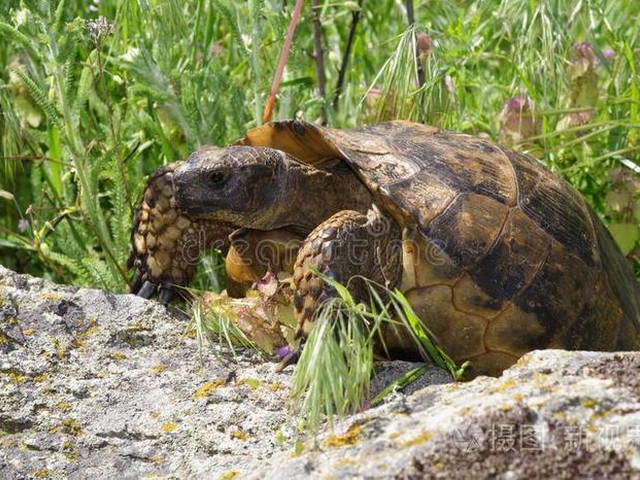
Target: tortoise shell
[[500, 256]]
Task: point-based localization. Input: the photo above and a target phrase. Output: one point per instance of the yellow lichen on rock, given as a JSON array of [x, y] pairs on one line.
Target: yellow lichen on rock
[[169, 427], [350, 437], [206, 389], [419, 439]]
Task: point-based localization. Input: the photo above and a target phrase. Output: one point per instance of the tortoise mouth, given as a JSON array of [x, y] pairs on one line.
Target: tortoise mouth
[[188, 204]]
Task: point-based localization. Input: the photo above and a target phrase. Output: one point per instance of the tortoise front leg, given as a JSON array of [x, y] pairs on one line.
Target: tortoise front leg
[[346, 247], [166, 244]]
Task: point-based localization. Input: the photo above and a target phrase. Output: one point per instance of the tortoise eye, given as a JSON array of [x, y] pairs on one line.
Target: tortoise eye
[[218, 179]]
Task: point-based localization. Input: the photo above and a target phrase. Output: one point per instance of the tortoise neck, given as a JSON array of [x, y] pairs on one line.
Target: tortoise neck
[[318, 194]]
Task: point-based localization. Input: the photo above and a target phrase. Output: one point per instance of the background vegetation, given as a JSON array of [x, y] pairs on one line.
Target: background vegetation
[[95, 95]]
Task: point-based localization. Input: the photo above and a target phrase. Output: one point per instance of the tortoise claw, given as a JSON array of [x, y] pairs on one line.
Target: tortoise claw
[[147, 290], [166, 294], [136, 282]]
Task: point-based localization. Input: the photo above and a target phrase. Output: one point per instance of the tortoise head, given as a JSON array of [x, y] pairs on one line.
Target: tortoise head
[[245, 186], [263, 188]]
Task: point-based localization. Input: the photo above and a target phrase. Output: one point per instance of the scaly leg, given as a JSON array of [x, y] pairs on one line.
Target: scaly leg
[[347, 247]]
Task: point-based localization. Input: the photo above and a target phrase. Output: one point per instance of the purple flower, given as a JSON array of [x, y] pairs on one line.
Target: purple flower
[[283, 351], [99, 28], [23, 225], [518, 121], [424, 44]]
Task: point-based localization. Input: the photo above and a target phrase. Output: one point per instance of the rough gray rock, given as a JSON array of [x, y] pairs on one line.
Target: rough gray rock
[[106, 386], [96, 385], [556, 414]]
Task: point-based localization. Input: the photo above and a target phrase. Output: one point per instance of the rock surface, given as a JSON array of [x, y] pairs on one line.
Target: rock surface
[[556, 414], [97, 385]]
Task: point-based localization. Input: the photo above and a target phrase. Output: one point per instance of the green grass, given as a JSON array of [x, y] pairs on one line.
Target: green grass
[[88, 108], [333, 376], [215, 324]]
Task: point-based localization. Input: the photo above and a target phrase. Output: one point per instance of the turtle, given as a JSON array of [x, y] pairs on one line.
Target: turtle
[[496, 254]]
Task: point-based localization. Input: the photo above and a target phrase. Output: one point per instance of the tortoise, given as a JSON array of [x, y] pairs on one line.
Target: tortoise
[[497, 255]]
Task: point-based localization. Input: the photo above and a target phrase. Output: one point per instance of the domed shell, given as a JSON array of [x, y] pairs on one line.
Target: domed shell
[[500, 255]]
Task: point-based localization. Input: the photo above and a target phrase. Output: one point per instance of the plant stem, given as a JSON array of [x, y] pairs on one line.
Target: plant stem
[[318, 56], [284, 54], [418, 61], [91, 211], [355, 19], [112, 129], [412, 23]]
